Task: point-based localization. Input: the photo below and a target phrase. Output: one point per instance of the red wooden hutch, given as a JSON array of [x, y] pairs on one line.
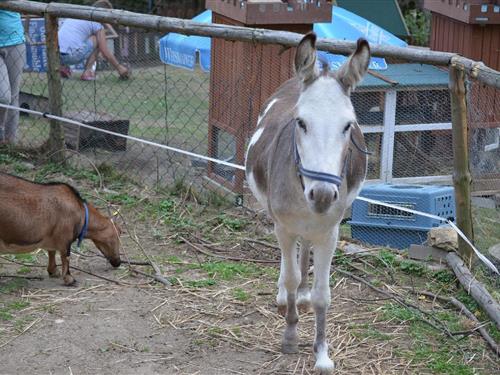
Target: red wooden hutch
[[244, 75]]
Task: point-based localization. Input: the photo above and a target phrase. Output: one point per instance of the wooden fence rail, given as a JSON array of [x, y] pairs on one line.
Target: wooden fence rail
[[475, 69]]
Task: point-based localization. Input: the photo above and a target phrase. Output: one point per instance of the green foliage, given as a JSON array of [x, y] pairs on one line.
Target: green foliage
[[7, 310], [24, 270], [399, 313], [386, 258], [13, 285], [230, 271], [203, 283], [231, 223], [240, 294], [444, 276], [418, 23], [412, 268]]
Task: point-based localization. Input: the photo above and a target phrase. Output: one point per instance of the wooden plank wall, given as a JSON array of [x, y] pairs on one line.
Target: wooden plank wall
[[481, 43]]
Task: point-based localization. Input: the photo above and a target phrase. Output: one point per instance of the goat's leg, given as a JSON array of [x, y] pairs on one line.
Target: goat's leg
[[323, 254], [289, 279], [52, 267], [68, 279], [303, 293]]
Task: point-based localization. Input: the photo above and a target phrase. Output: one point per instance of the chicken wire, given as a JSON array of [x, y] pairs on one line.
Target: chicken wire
[[408, 128]]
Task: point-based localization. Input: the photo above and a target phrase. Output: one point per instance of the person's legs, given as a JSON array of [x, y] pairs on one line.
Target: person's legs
[[4, 92], [92, 58], [11, 72]]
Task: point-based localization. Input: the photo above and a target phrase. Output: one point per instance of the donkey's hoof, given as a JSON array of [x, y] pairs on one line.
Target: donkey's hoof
[[289, 347], [282, 310], [324, 366], [69, 280]]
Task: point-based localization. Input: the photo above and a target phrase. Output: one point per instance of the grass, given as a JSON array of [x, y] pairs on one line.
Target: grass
[[163, 103]]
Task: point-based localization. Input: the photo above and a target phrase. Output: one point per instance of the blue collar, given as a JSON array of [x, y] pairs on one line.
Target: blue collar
[[83, 232]]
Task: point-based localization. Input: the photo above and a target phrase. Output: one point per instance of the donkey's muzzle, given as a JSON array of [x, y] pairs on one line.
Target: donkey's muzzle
[[321, 196]]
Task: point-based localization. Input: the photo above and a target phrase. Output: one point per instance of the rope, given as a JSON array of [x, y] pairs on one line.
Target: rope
[[240, 167], [165, 147]]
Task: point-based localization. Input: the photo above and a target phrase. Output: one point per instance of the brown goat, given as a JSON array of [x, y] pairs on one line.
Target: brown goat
[[51, 217]]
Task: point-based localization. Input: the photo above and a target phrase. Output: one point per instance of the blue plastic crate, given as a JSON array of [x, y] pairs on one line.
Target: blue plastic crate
[[380, 225]]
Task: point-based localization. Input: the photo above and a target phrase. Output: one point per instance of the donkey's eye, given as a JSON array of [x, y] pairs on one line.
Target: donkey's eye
[[302, 125], [347, 127]]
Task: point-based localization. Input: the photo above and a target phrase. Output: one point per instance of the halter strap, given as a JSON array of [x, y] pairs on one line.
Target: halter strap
[[323, 176], [313, 175], [85, 226]]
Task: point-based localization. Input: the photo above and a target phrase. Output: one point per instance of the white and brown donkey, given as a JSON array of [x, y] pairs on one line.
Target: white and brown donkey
[[305, 164]]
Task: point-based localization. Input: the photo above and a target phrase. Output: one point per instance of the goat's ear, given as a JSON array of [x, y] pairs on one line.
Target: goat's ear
[[305, 59], [353, 70]]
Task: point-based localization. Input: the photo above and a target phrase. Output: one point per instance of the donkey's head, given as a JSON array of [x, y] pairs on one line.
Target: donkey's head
[[324, 118]]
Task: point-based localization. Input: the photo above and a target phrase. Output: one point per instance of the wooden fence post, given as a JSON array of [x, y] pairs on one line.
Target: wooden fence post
[[56, 135], [461, 173]]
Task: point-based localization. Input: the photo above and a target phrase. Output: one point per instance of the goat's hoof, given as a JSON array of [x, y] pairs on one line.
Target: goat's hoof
[[54, 274], [69, 280], [289, 347], [282, 310]]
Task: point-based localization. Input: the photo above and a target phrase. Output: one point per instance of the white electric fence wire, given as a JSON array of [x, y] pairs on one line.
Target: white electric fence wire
[[240, 167]]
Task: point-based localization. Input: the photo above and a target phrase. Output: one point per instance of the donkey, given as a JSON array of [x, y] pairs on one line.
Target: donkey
[[52, 216], [305, 164]]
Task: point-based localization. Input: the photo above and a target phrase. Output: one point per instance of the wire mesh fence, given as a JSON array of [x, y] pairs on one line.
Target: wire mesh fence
[[404, 112]]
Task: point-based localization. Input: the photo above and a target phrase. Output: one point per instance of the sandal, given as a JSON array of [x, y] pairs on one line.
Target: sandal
[[88, 76], [65, 71]]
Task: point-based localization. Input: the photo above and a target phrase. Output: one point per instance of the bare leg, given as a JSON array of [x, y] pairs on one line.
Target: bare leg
[[303, 294], [52, 267], [93, 56], [323, 254], [68, 279], [290, 279]]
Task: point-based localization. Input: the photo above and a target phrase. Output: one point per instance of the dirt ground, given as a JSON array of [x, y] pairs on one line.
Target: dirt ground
[[219, 315]]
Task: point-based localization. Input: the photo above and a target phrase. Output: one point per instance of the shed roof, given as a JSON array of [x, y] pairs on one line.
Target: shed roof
[[384, 13], [400, 76]]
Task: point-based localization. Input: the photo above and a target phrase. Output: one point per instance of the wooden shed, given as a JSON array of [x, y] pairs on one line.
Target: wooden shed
[[244, 75], [472, 29]]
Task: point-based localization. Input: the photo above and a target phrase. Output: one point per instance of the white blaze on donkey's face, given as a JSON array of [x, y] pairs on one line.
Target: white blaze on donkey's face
[[324, 120]]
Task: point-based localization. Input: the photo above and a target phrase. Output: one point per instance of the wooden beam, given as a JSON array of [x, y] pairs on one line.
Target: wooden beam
[[461, 173], [56, 134]]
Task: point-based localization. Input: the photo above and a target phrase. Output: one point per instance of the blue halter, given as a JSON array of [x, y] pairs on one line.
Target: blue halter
[[85, 226], [322, 176]]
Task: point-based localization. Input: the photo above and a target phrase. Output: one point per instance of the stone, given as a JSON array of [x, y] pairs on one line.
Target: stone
[[443, 237], [494, 251], [419, 252]]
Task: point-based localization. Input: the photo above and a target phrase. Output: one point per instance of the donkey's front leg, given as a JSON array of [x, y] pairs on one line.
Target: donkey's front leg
[[303, 294], [323, 254], [289, 280]]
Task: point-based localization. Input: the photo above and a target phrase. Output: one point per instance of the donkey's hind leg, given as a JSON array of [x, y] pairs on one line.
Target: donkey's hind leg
[[303, 294], [289, 280]]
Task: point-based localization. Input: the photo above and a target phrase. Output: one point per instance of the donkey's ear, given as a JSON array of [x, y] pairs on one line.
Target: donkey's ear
[[305, 58], [353, 70]]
